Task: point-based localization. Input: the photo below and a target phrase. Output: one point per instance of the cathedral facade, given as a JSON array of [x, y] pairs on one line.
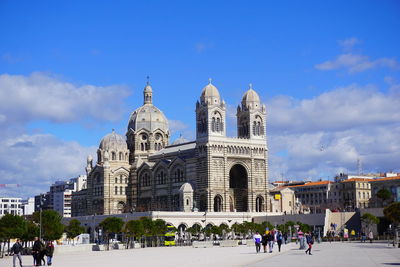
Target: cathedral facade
[[143, 171]]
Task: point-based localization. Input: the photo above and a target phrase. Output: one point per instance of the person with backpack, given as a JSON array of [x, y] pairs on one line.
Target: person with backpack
[[257, 240], [16, 250], [49, 252], [310, 242], [279, 239]]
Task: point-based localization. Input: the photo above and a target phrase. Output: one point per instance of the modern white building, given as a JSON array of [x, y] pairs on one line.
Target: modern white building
[[61, 194], [10, 205], [28, 206]]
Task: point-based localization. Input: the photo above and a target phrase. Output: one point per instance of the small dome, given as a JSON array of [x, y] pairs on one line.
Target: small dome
[[149, 117], [210, 94], [180, 140], [251, 98], [113, 141], [186, 187], [148, 89]]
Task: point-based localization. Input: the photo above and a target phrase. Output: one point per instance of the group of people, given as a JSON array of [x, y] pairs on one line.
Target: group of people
[[39, 251], [268, 239]]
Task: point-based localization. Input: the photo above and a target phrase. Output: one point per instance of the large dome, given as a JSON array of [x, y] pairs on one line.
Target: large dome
[[113, 142], [179, 141], [149, 117], [210, 94]]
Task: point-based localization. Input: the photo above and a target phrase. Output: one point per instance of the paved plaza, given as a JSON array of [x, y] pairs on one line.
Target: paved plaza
[[326, 254]]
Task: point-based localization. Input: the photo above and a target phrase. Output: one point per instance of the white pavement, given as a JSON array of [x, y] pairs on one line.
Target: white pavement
[[326, 254], [338, 254]]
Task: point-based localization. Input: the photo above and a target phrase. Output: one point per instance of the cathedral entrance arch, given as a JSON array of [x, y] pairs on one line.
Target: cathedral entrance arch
[[238, 186]]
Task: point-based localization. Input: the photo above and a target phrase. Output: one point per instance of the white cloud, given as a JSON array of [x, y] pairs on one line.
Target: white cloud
[[320, 137], [354, 63], [178, 127], [36, 161], [349, 43], [41, 96], [342, 108]]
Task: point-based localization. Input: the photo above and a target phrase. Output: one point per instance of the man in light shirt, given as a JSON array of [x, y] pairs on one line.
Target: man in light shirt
[[257, 241]]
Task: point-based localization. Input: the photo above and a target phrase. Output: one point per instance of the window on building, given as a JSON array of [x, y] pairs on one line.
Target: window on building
[[116, 190]]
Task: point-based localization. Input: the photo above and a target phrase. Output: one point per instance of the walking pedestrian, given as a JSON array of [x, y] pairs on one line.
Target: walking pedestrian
[[37, 248], [49, 252], [279, 238], [270, 239], [371, 236], [257, 241], [363, 237], [16, 250], [264, 241], [310, 242], [42, 254], [300, 237]]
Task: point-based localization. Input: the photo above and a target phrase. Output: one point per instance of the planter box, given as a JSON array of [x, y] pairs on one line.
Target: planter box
[[228, 243], [202, 244]]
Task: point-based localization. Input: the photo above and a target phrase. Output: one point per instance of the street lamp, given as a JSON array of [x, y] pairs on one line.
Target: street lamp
[[42, 200]]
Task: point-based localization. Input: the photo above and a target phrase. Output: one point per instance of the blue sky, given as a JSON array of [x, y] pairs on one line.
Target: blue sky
[[298, 55]]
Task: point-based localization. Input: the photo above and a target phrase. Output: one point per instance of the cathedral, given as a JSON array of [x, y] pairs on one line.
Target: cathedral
[[143, 171]]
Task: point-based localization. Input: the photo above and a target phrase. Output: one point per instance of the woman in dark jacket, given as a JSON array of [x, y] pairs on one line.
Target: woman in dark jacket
[[49, 252], [264, 242]]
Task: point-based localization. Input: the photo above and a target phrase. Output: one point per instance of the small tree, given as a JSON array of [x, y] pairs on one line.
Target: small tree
[[224, 229], [31, 230], [74, 229], [111, 225], [159, 229], [369, 219], [384, 195], [134, 229], [392, 212], [52, 228], [148, 226], [11, 226]]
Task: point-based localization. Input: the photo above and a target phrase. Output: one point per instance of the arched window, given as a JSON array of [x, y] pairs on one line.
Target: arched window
[[121, 156], [116, 190], [120, 179], [142, 146], [116, 179], [213, 124], [218, 203], [113, 156], [120, 190], [218, 125], [254, 128], [259, 204]]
